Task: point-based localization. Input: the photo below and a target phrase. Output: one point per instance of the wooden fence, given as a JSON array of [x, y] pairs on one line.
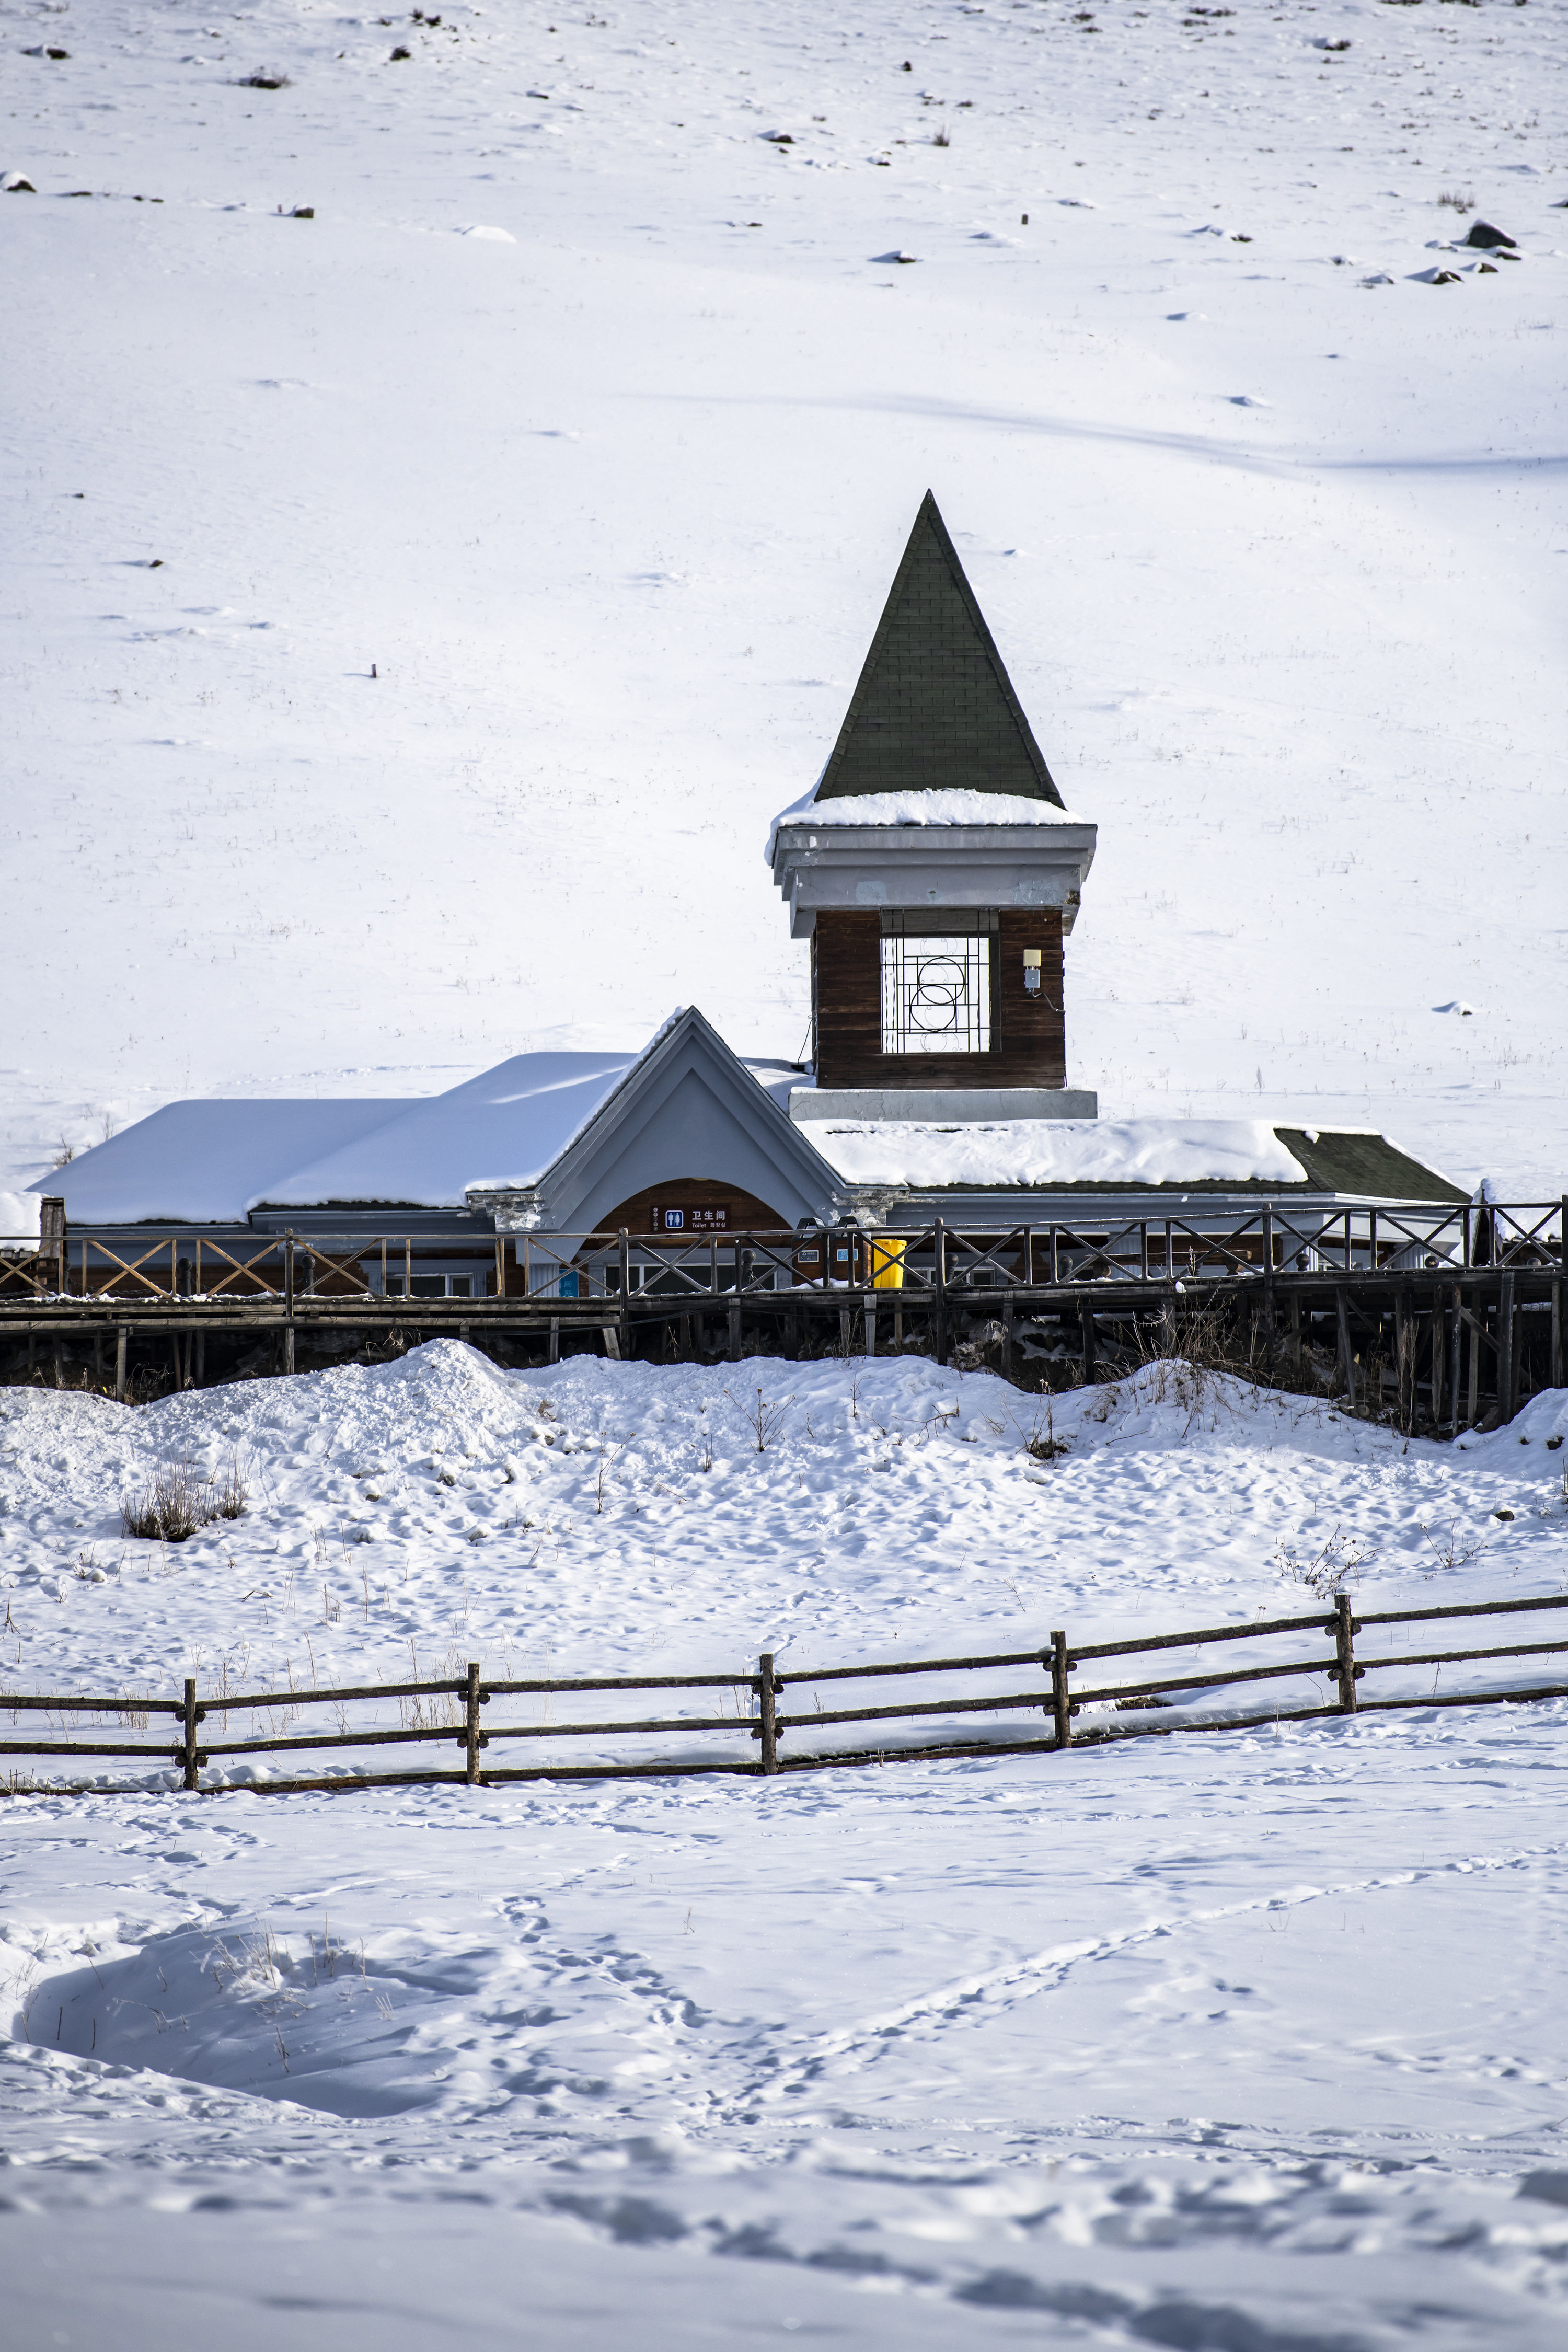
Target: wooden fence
[[451, 1711], [1276, 1239]]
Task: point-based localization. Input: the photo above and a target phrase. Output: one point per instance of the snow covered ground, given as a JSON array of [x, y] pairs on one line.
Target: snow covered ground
[[594, 415], [1247, 2041]]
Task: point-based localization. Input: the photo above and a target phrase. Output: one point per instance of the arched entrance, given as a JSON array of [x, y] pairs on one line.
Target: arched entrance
[[692, 1208]]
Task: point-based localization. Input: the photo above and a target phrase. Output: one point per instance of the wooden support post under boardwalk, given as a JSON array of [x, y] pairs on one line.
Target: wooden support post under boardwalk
[[770, 1729], [1347, 1356], [1086, 1330], [121, 1338], [1344, 1628], [1505, 1373], [734, 1331], [472, 1739], [1061, 1704]]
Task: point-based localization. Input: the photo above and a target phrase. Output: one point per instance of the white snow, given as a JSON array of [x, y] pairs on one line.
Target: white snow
[[218, 1160], [1056, 1151], [21, 1215], [1253, 2041], [1208, 2038], [614, 509], [946, 807]]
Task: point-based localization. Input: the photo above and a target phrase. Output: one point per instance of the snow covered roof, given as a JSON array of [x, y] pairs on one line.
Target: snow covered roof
[[1041, 1152], [207, 1162], [503, 1128], [918, 805]]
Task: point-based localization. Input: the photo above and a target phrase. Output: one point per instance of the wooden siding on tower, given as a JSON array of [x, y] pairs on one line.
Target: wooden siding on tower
[[1028, 1031]]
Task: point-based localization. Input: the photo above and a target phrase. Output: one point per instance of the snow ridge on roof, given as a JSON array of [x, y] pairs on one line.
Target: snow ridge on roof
[[1057, 1152], [917, 805]]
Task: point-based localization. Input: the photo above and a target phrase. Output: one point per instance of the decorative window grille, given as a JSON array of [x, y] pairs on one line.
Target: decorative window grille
[[936, 992]]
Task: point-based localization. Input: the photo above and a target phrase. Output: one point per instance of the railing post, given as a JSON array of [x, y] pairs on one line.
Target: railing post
[[626, 1294], [1505, 1348], [473, 1739], [193, 1715], [766, 1687], [1061, 1667], [288, 1301], [1344, 1628], [120, 1350], [939, 1231]]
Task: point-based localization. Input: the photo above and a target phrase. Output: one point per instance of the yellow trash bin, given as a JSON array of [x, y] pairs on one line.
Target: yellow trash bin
[[888, 1265]]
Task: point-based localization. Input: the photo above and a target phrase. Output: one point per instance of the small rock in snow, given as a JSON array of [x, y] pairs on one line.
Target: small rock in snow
[[1458, 1005], [491, 235], [1483, 234], [1245, 400], [1378, 277], [1438, 277], [16, 183], [905, 258]]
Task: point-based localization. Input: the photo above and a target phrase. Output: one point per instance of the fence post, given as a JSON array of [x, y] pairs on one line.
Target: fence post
[[473, 1739], [770, 1729], [1344, 1628], [1061, 1704], [193, 1716], [288, 1301], [940, 1240]]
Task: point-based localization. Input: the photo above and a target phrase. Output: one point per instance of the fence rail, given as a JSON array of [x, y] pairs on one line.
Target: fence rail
[[451, 1710], [1274, 1241]]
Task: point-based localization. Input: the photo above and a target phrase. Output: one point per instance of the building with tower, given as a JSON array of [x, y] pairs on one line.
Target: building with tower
[[936, 875]]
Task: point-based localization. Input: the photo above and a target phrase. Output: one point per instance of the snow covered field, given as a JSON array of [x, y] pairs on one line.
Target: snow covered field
[[595, 417], [1248, 2041]]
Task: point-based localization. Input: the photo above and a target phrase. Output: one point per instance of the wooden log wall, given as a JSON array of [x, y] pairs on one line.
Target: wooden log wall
[[1028, 1031]]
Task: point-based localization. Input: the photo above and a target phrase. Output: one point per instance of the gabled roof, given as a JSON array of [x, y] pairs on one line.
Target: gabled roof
[[687, 1107], [934, 709], [587, 1129]]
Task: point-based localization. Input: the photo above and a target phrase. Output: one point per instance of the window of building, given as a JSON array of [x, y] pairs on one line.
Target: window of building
[[427, 1285], [936, 985]]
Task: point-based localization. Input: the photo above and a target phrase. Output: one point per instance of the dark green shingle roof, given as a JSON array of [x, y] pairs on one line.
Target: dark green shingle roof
[[934, 709], [1347, 1162]]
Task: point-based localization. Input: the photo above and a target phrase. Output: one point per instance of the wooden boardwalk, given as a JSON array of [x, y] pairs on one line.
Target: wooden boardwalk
[[1442, 1318]]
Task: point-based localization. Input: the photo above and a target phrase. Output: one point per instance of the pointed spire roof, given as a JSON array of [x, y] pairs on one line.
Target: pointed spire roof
[[934, 709]]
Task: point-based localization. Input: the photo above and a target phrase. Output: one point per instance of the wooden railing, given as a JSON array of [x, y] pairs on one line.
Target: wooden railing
[[1273, 1241], [450, 1711]]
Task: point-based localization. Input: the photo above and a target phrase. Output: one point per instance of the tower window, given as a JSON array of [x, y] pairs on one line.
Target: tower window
[[936, 992]]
